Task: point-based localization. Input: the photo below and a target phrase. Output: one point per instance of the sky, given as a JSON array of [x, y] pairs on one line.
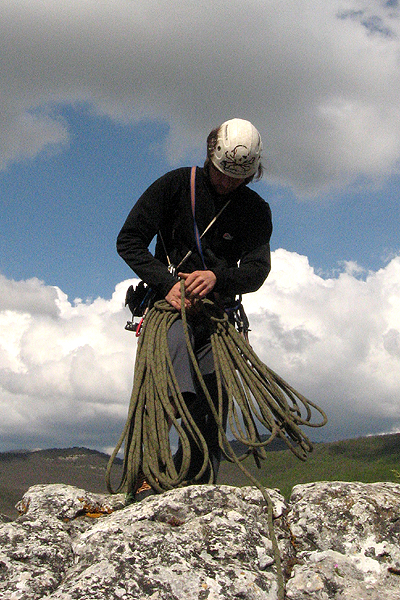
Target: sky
[[98, 99]]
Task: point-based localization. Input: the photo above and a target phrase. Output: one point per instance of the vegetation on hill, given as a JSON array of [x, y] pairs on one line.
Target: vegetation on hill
[[366, 459]]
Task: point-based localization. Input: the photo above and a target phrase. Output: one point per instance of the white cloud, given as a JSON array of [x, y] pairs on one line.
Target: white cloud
[[320, 80], [336, 340], [66, 371], [30, 296]]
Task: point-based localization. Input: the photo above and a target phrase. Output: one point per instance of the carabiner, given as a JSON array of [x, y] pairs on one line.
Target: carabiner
[[172, 269]]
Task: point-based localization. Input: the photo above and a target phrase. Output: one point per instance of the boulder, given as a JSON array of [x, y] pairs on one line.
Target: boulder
[[347, 541], [336, 541]]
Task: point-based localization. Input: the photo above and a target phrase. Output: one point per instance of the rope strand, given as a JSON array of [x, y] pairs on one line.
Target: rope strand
[[257, 396]]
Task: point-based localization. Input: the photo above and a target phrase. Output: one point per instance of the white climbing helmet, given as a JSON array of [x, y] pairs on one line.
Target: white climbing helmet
[[238, 149]]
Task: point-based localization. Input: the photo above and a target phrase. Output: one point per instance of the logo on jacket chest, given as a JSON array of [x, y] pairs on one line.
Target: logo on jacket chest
[[227, 236]]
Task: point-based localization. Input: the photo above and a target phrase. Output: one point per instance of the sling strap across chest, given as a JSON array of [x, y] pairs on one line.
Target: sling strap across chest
[[197, 235]]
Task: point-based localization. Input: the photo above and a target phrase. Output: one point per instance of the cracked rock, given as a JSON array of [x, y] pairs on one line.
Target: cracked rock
[[336, 541]]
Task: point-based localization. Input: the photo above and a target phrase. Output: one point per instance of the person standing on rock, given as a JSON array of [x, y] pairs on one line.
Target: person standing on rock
[[213, 233]]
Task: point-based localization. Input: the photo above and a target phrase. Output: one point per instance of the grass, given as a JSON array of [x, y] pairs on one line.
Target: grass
[[367, 460]]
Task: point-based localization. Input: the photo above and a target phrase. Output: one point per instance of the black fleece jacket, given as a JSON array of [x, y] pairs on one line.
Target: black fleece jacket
[[236, 248]]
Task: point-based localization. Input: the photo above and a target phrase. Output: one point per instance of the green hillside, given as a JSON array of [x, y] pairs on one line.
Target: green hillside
[[366, 459]]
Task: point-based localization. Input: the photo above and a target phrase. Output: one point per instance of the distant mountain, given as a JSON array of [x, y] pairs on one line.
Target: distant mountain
[[367, 459], [80, 467], [276, 444]]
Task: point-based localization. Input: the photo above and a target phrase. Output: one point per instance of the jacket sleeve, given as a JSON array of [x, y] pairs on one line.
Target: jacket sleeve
[[248, 276], [255, 261], [139, 229]]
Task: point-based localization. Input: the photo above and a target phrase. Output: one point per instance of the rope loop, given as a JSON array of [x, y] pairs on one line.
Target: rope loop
[[261, 408]]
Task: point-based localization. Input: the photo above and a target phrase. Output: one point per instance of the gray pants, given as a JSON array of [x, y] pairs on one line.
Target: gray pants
[[193, 394]]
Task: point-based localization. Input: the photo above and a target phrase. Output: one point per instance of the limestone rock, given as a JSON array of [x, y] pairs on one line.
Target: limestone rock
[[336, 541], [347, 541], [36, 550]]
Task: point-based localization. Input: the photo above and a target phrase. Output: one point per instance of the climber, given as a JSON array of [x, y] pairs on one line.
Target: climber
[[213, 233]]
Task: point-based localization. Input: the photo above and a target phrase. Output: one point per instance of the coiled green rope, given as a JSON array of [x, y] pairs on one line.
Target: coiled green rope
[[256, 396]]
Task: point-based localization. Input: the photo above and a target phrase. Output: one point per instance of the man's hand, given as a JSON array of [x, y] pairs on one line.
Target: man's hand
[[198, 284], [174, 297]]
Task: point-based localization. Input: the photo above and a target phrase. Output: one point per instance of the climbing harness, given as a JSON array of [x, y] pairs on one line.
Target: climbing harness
[[257, 399], [237, 316]]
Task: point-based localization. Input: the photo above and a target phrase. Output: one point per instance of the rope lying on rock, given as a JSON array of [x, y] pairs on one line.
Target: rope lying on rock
[[256, 397]]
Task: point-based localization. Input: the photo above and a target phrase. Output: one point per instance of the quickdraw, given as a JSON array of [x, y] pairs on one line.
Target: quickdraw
[[139, 299]]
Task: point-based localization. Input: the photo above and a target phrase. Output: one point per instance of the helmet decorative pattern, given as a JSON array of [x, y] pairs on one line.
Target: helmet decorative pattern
[[238, 161], [238, 149]]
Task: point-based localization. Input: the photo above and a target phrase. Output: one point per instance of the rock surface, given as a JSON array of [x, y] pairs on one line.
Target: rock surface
[[337, 541]]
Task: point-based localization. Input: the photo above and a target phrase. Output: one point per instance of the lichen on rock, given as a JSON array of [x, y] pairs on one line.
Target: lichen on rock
[[337, 540]]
